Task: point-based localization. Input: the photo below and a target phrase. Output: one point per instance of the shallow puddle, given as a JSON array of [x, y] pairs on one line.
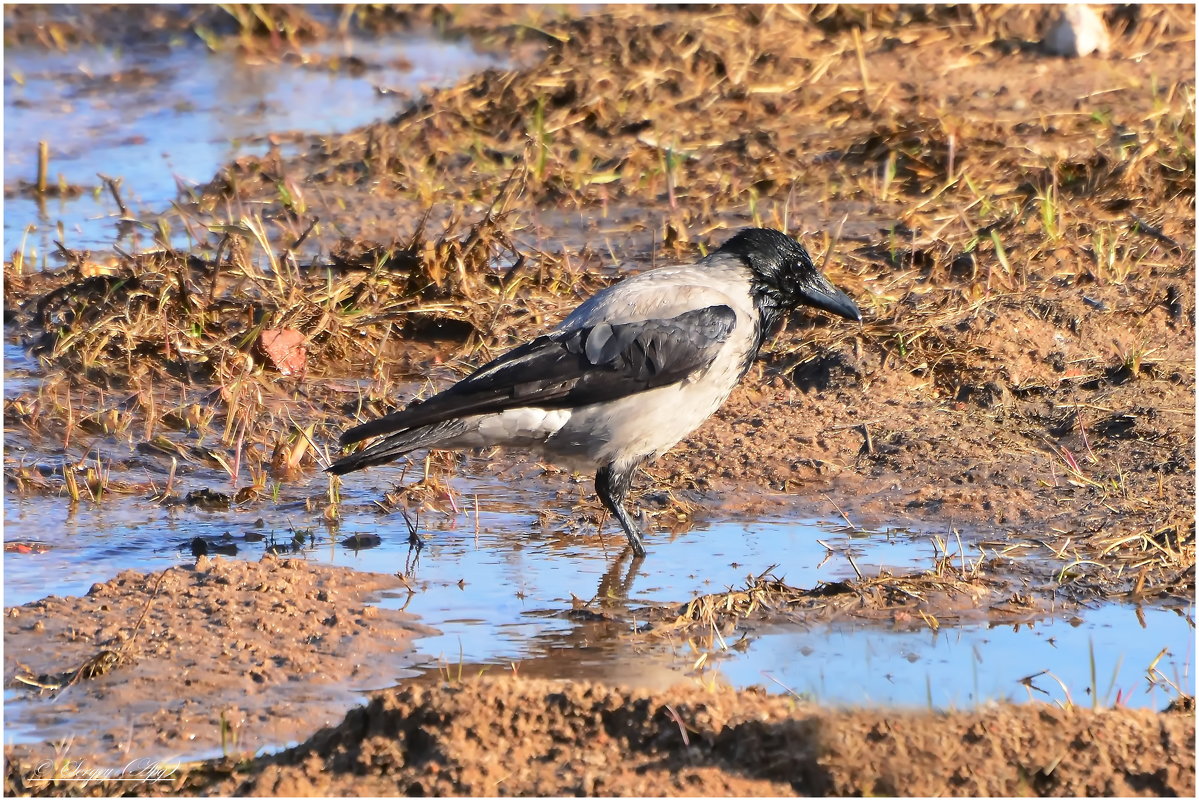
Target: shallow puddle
[[500, 595], [508, 615], [21, 371], [152, 117]]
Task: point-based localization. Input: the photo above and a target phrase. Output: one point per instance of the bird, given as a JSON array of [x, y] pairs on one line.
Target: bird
[[629, 373]]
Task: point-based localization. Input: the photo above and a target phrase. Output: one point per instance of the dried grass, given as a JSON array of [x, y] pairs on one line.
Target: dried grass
[[670, 125]]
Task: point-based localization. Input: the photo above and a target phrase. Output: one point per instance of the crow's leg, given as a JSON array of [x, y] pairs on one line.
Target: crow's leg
[[611, 485]]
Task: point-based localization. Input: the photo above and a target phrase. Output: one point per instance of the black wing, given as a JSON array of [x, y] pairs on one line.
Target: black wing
[[573, 368]]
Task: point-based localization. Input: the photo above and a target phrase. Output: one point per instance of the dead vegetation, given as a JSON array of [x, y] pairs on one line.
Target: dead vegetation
[[176, 315], [1019, 229], [1006, 586], [919, 599]]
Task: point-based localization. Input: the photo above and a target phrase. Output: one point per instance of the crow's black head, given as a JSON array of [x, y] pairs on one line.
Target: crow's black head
[[784, 276]]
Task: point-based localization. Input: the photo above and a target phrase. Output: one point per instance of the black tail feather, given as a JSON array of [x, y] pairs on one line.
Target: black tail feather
[[387, 424], [394, 446]]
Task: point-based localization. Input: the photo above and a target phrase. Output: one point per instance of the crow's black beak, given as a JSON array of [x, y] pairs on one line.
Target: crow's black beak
[[823, 295]]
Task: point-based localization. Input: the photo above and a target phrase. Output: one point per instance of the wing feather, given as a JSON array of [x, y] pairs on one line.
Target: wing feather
[[574, 367]]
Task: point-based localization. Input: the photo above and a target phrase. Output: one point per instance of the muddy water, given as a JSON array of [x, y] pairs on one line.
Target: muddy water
[[509, 616], [21, 372], [500, 591], [156, 117]]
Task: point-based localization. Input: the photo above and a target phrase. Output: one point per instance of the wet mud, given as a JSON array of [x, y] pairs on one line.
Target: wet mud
[[1017, 229], [222, 654], [533, 737]]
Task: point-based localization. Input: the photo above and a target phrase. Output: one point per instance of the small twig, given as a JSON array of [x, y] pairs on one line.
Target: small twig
[[414, 538], [787, 206], [1082, 429], [289, 251], [868, 441], [682, 726], [145, 611], [857, 43], [854, 565], [832, 243], [43, 165], [216, 266], [113, 185], [1139, 224], [73, 258], [798, 697], [844, 516]]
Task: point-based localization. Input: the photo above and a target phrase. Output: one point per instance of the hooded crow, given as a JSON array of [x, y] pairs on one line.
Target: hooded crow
[[626, 375]]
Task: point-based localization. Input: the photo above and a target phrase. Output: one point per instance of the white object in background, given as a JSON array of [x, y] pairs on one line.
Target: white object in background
[[1078, 31]]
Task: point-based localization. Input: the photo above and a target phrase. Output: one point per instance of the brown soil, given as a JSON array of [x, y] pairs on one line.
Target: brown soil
[[1019, 231], [536, 737], [228, 652]]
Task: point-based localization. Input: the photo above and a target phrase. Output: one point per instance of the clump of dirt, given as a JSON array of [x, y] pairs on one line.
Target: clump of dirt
[[223, 654], [535, 737], [946, 594]]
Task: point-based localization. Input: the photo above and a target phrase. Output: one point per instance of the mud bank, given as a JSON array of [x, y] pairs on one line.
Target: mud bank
[[224, 654], [514, 736]]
